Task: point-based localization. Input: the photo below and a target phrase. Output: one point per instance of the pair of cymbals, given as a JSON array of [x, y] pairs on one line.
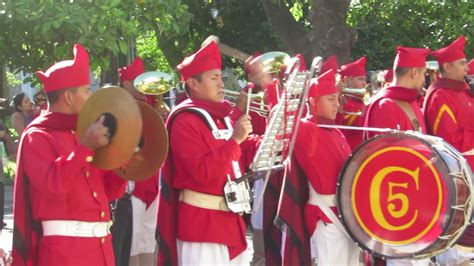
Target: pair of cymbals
[[138, 138]]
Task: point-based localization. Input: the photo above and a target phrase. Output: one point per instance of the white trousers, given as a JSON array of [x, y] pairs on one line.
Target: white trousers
[[256, 218], [332, 247], [198, 253], [453, 256], [144, 227], [409, 262]]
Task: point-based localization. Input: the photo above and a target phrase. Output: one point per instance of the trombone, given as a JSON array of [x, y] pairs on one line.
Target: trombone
[[256, 104]]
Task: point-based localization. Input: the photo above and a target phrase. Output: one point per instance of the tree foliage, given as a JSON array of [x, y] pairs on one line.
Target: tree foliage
[[35, 33], [383, 25], [238, 23]]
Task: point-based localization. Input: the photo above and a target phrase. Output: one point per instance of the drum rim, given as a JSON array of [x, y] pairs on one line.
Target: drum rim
[[420, 254]]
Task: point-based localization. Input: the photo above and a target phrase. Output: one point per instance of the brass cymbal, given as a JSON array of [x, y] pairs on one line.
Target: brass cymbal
[[122, 117], [152, 149]]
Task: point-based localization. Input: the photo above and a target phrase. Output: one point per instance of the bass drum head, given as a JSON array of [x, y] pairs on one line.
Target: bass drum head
[[395, 195]]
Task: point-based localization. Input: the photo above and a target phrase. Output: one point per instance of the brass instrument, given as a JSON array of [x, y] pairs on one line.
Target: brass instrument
[[273, 62], [155, 83], [256, 104], [362, 95]]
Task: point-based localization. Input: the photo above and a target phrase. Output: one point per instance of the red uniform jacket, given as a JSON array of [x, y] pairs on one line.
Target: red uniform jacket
[[449, 113], [354, 137], [55, 182], [199, 162], [384, 112], [321, 153], [259, 123]]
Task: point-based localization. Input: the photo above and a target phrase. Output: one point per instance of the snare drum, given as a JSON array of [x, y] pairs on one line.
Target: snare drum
[[405, 195]]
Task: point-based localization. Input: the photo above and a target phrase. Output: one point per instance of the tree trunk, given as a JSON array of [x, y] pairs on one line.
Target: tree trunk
[[110, 76], [3, 81], [327, 35], [167, 45]]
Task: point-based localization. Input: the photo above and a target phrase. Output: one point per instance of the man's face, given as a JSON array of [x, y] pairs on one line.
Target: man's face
[[419, 75], [327, 106], [209, 88], [79, 97], [457, 70], [356, 82]]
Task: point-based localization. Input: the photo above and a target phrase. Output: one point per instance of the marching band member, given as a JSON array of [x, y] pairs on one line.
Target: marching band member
[[353, 76], [61, 200], [200, 229], [322, 172], [448, 110], [140, 215], [470, 77], [471, 67], [321, 153], [330, 63], [396, 106]]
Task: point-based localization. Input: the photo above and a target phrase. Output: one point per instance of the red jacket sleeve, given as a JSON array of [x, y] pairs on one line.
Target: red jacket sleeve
[[49, 173], [114, 185], [249, 149]]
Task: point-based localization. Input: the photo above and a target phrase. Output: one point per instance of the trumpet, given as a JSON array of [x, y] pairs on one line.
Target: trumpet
[[256, 104], [362, 95]]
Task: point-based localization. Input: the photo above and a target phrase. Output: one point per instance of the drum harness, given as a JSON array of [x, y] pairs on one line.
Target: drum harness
[[238, 195]]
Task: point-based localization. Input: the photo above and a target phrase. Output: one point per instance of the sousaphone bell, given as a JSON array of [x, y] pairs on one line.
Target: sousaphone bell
[[155, 83]]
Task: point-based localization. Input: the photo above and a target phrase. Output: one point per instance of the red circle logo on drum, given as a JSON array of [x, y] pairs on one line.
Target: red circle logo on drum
[[397, 196]]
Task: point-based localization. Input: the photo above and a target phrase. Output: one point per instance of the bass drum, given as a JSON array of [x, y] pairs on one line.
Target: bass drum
[[405, 195]]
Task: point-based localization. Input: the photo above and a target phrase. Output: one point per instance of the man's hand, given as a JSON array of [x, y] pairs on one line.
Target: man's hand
[[242, 129], [97, 135], [5, 258], [242, 101]]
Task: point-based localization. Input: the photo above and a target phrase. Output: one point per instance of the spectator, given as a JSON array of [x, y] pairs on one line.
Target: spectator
[[22, 115]]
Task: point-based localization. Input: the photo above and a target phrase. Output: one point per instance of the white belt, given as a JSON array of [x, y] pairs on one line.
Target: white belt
[[468, 153], [76, 228], [330, 199], [202, 200]]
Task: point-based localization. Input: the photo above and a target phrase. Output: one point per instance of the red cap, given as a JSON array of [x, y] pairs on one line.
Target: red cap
[[471, 67], [388, 75], [452, 52], [207, 58], [67, 74], [324, 84], [130, 72], [354, 69], [302, 62], [410, 57], [330, 63]]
